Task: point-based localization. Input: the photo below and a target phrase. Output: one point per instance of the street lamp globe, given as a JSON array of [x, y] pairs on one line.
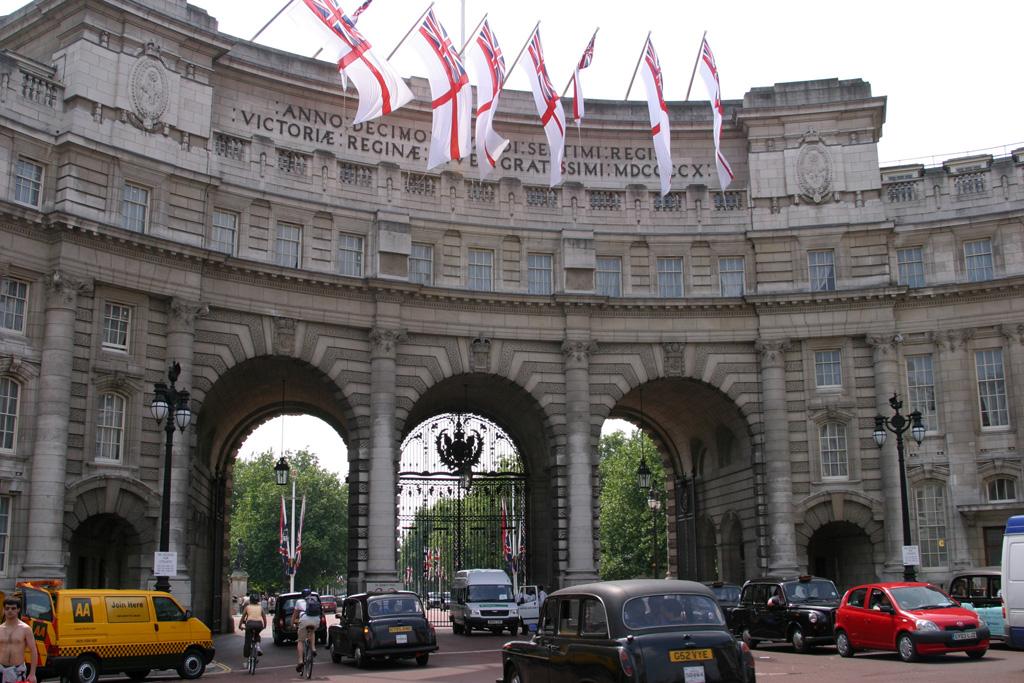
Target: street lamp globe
[[643, 474], [159, 406], [879, 433], [182, 413], [281, 472], [918, 428]]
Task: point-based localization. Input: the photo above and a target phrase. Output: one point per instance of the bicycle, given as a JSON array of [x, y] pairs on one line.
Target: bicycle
[[307, 653], [253, 654]]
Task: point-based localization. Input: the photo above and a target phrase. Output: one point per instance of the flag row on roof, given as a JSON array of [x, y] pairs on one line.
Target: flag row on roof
[[382, 90]]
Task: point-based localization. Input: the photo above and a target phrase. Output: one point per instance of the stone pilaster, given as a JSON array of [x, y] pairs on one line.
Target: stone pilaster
[[779, 470], [383, 451], [581, 461], [885, 357], [1014, 369], [45, 557]]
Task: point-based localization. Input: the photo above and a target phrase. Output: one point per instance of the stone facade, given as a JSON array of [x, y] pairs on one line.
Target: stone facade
[[173, 193]]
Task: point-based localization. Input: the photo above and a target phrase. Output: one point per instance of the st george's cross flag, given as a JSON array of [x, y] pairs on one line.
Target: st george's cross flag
[[651, 69], [450, 94], [488, 66], [381, 89], [577, 89], [549, 105], [709, 72]]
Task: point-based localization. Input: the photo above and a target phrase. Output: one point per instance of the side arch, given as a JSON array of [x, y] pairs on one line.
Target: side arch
[[842, 523]]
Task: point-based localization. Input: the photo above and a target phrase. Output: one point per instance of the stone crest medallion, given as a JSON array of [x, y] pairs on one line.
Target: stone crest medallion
[[147, 88], [814, 169]]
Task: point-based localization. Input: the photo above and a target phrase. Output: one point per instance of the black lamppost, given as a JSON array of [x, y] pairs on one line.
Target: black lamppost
[[644, 479], [898, 425], [171, 403]]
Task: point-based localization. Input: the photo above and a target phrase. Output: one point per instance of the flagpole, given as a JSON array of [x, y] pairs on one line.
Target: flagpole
[[467, 41], [272, 20], [574, 71], [637, 67], [411, 29], [508, 71], [695, 63], [291, 547]]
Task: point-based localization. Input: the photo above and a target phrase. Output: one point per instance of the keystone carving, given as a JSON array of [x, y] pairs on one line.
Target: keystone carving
[[384, 341], [480, 354], [674, 358], [578, 351], [284, 336], [773, 352]]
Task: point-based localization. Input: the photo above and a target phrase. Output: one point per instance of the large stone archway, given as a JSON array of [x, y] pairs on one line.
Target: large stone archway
[[841, 535]]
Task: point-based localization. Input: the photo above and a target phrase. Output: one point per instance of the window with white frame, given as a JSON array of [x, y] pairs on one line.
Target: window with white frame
[[28, 182], [978, 260], [931, 524], [910, 266], [921, 389], [539, 273], [421, 264], [110, 426], [828, 368], [117, 320], [350, 255], [287, 245], [731, 275], [822, 269], [609, 275], [670, 277], [834, 458], [480, 277], [134, 207], [5, 531], [992, 388], [13, 299], [224, 231], [10, 391], [1002, 489]]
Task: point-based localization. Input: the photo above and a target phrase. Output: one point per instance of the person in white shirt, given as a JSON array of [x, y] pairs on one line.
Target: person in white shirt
[[305, 624]]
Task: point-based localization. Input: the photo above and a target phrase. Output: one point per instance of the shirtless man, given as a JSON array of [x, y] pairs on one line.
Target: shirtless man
[[15, 639]]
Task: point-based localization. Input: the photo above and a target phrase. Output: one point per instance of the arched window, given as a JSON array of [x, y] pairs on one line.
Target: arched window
[[9, 394], [1002, 489], [931, 524], [834, 456], [110, 426]]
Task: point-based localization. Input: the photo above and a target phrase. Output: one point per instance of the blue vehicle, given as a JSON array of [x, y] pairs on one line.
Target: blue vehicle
[[1013, 580], [980, 590]]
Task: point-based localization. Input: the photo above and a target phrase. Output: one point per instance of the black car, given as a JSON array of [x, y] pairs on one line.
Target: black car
[[799, 610], [381, 625], [728, 596], [282, 627], [656, 631]]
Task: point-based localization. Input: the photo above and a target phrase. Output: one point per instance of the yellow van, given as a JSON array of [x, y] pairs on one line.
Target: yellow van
[[82, 633]]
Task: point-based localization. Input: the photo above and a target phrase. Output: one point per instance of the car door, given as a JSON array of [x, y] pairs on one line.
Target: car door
[[173, 630], [593, 657], [566, 640], [853, 616], [879, 621], [533, 657]]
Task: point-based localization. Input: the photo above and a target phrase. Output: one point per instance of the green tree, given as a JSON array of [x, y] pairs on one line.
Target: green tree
[[626, 519], [255, 515]]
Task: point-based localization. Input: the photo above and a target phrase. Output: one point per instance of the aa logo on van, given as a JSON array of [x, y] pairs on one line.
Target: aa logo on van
[[81, 610]]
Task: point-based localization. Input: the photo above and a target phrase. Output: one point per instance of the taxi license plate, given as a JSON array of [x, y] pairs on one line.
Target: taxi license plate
[[690, 655], [493, 622], [965, 635], [399, 629]]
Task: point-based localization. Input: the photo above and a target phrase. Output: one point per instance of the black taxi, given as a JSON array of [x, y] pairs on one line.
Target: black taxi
[[799, 610], [651, 630], [381, 625]]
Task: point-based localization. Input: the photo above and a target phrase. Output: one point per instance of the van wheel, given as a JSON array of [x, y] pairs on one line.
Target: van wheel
[[138, 674], [192, 665], [87, 670]]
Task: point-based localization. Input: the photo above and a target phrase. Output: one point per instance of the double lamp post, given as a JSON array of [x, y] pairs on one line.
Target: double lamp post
[[644, 478]]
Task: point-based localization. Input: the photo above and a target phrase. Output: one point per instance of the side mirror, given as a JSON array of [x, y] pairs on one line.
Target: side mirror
[[886, 609], [188, 614]]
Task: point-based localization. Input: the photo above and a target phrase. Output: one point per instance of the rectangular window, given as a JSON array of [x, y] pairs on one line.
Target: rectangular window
[[931, 524], [9, 392], [1002, 490], [539, 269], [609, 276], [921, 389], [910, 262], [5, 531], [993, 537], [832, 441], [670, 277], [110, 427], [828, 369], [992, 388], [731, 275], [350, 255], [134, 207], [116, 321], [978, 260], [225, 228], [287, 245], [481, 270], [13, 298], [28, 182], [421, 264], [822, 268]]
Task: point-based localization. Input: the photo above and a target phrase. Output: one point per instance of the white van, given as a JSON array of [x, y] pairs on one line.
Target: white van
[[483, 599], [1013, 581]]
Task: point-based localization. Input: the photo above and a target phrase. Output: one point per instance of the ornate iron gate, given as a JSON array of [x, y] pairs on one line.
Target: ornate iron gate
[[450, 520]]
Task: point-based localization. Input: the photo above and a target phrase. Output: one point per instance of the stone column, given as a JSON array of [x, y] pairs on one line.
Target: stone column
[[383, 450], [45, 556], [778, 468], [181, 334], [885, 355], [580, 455]]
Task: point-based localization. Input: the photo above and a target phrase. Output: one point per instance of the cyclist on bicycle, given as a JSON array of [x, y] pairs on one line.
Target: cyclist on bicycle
[[253, 620], [306, 620]]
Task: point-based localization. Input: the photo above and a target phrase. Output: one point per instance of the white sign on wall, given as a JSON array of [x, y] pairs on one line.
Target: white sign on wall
[[911, 555]]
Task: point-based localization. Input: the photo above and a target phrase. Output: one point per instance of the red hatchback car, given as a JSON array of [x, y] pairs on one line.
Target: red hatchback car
[[914, 619]]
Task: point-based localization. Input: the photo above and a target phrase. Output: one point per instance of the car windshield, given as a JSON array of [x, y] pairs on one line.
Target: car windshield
[[726, 593], [391, 605], [487, 593], [921, 597], [671, 609], [821, 591]]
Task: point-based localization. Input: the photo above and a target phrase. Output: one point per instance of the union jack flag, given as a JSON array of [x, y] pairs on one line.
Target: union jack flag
[[588, 55], [342, 26], [708, 58], [492, 51], [432, 30], [360, 10], [451, 96], [651, 58], [658, 111], [577, 88], [549, 106], [488, 65], [547, 92]]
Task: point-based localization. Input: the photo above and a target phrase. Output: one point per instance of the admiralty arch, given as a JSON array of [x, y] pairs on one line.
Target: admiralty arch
[[172, 193]]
